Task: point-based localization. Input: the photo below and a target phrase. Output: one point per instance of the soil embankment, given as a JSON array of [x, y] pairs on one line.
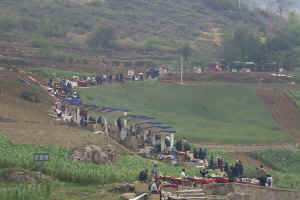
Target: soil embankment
[[284, 111]]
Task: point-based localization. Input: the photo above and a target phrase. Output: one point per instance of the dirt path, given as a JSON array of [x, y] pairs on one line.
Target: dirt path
[[284, 111], [247, 160], [244, 148]]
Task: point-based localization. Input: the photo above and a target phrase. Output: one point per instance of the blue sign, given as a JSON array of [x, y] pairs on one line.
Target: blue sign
[[41, 157]]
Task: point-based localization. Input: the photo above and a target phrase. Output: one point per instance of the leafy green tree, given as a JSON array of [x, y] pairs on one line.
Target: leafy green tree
[[8, 23], [284, 46], [102, 37], [186, 51], [242, 45], [284, 5]]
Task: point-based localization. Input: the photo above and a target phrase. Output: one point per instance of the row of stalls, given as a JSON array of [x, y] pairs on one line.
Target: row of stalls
[[137, 132]]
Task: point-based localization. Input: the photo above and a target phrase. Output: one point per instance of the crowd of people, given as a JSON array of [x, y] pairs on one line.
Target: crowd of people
[[234, 173]]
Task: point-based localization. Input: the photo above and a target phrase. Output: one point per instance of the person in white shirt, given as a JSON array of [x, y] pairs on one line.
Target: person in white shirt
[[269, 181], [182, 174], [154, 187]]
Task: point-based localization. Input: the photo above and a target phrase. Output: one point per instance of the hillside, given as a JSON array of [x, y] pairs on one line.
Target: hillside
[[143, 28], [209, 112], [27, 122]]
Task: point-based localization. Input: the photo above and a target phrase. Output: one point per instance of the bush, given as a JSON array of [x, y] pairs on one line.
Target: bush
[[8, 23], [102, 37], [30, 96]]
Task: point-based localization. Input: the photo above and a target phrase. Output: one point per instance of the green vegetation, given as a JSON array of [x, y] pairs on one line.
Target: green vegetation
[[282, 46], [243, 45], [49, 72], [125, 170], [294, 94], [210, 112], [91, 177], [280, 159], [102, 37], [26, 191], [76, 21], [285, 162]]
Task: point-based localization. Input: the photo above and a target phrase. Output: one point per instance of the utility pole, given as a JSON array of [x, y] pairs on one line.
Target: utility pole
[[239, 4], [181, 73]]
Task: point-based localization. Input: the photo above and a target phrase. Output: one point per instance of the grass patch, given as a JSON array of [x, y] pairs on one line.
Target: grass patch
[[212, 112], [280, 159], [26, 191], [87, 179], [287, 164], [294, 94], [14, 155]]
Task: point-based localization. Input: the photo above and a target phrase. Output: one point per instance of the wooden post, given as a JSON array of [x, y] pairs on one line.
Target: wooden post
[[172, 141], [162, 143], [153, 139]]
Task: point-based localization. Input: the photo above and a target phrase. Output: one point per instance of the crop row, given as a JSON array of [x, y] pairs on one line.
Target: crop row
[[126, 169], [26, 192]]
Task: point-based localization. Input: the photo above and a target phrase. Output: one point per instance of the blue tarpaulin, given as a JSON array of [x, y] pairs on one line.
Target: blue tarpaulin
[[22, 80], [153, 123], [161, 127], [165, 131], [73, 101], [117, 109], [164, 127], [141, 117], [91, 106]]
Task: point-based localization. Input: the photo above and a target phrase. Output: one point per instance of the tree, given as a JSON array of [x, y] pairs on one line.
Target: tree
[[283, 5], [102, 37], [186, 51], [8, 23], [242, 45], [284, 46]]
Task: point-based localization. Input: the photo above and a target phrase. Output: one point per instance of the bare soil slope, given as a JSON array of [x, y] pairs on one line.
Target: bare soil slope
[[284, 111], [26, 122]]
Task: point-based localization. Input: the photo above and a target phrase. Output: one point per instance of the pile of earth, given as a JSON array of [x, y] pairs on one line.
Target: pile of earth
[[5, 120], [93, 154], [21, 176]]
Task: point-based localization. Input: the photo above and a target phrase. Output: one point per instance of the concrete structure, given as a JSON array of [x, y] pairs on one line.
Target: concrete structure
[[252, 192]]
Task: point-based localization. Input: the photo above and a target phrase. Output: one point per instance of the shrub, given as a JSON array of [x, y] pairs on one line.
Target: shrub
[[102, 37]]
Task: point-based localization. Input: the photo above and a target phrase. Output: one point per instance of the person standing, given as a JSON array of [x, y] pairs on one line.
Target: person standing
[[269, 180], [143, 176], [119, 123], [211, 163], [154, 171], [240, 168], [261, 175], [203, 172], [182, 174]]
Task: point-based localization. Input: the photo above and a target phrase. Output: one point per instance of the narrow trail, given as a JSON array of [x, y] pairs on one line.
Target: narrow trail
[[245, 148], [284, 111]]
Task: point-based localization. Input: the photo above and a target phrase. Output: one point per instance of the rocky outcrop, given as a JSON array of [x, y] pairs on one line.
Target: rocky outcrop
[[127, 196], [21, 176], [93, 154], [124, 188], [235, 191]]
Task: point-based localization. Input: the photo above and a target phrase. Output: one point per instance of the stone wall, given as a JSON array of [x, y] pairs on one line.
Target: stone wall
[[262, 193], [251, 192]]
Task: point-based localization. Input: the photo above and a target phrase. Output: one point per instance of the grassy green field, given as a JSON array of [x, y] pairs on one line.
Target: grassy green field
[[285, 162], [294, 94], [280, 159], [126, 169], [210, 112], [48, 72]]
